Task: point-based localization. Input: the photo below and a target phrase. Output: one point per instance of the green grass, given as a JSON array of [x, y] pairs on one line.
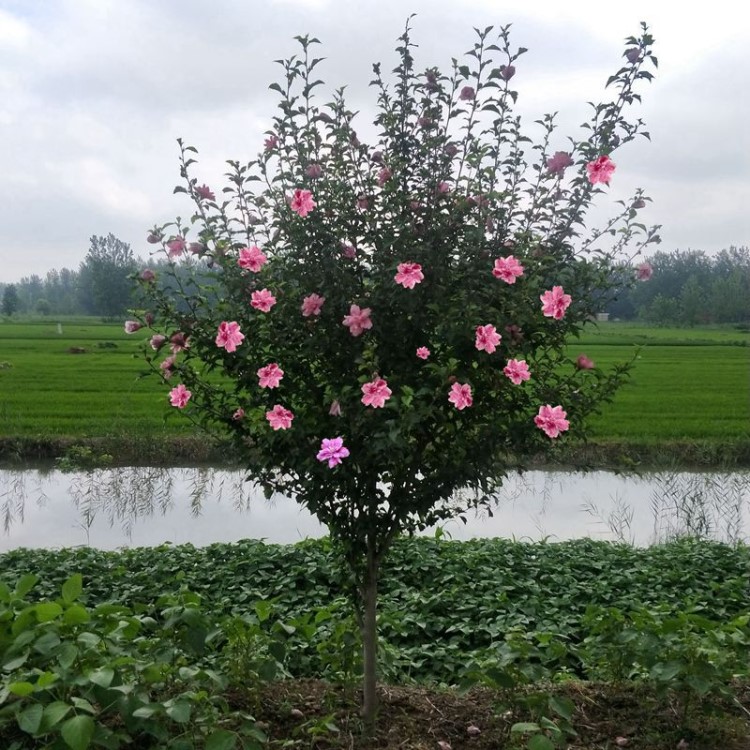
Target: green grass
[[49, 391], [689, 385]]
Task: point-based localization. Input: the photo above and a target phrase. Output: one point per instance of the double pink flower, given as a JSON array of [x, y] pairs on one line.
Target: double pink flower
[[229, 336], [555, 302], [376, 393]]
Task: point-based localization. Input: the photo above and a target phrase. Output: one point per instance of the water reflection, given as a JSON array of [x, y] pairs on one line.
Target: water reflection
[[109, 508]]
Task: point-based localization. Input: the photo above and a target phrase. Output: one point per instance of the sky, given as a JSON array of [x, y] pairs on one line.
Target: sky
[[94, 94]]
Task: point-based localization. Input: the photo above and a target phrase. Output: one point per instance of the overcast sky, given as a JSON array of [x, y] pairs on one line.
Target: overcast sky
[[93, 94]]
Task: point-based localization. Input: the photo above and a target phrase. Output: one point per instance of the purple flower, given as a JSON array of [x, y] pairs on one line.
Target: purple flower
[[314, 171], [467, 94], [332, 450], [205, 192], [507, 72], [633, 54]]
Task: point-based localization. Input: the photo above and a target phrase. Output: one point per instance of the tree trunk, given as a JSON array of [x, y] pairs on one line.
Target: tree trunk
[[369, 594]]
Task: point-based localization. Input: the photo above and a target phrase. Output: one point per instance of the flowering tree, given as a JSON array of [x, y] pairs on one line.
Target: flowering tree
[[381, 326]]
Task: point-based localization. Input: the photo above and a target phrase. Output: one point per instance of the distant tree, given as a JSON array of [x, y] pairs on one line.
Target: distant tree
[[103, 279], [43, 306], [10, 300]]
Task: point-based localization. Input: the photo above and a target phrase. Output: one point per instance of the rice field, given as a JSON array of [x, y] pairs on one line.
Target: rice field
[[688, 384]]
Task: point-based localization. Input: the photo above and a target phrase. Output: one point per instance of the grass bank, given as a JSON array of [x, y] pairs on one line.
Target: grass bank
[[81, 383]]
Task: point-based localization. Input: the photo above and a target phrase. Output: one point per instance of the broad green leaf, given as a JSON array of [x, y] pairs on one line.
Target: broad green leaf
[[67, 654], [221, 739], [540, 742], [30, 718], [18, 661], [71, 589], [25, 584], [46, 611], [180, 712], [76, 615], [54, 713], [102, 677], [21, 689], [78, 732]]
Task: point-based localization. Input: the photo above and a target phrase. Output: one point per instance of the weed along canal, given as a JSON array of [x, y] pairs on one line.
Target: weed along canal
[[147, 506]]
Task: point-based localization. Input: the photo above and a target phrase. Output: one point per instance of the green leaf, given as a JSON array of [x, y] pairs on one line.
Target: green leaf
[[25, 584], [30, 718], [72, 588], [47, 611], [540, 742], [221, 739], [562, 707], [78, 732], [21, 689], [523, 727], [263, 610], [67, 654], [102, 677], [19, 661], [180, 712], [54, 713], [76, 615]]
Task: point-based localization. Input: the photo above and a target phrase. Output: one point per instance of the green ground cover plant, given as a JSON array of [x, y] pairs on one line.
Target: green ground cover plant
[[103, 658], [47, 393]]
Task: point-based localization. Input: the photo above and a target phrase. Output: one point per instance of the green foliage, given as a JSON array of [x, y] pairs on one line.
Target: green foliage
[[104, 277], [10, 300], [78, 676], [523, 609]]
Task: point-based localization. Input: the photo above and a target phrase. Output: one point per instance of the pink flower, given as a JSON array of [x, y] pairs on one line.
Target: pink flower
[[467, 94], [229, 336], [363, 203], [376, 393], [179, 342], [358, 320], [600, 170], [332, 450], [302, 202], [508, 269], [555, 303], [239, 415], [384, 175], [312, 305], [157, 341], [147, 275], [270, 376], [559, 162], [314, 171], [377, 157], [262, 300], [271, 142], [154, 238], [131, 326], [644, 272], [335, 410], [423, 352], [551, 419], [166, 367], [348, 251], [279, 418], [179, 396], [409, 275], [640, 203], [443, 188], [197, 248], [460, 395], [517, 371], [205, 192], [487, 338], [584, 363], [507, 72], [176, 247], [451, 149], [252, 259]]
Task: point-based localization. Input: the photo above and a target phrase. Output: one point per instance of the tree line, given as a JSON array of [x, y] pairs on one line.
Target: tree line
[[690, 288], [687, 288]]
